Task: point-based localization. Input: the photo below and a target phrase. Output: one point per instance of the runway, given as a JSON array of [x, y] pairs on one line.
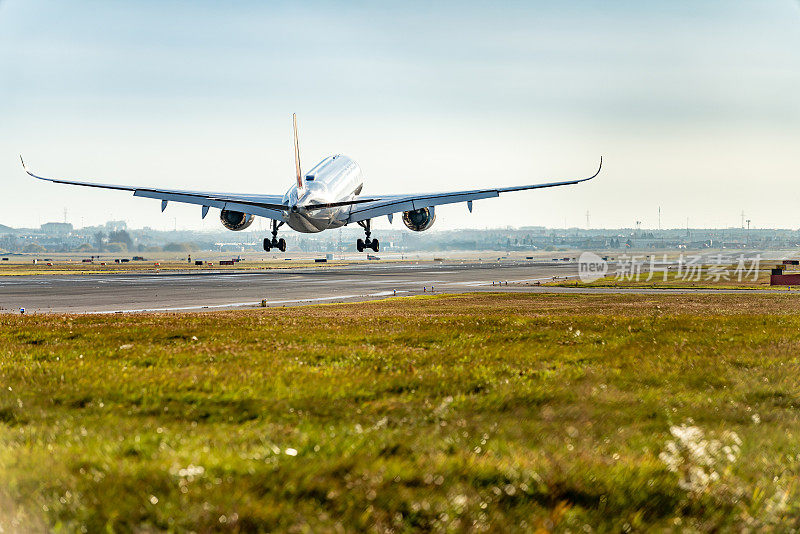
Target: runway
[[207, 290], [230, 289]]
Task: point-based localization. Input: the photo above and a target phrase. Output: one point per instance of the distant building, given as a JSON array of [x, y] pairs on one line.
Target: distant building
[[116, 226], [56, 228]]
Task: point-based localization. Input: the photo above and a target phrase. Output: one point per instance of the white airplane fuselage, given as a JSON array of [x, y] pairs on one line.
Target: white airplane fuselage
[[334, 179]]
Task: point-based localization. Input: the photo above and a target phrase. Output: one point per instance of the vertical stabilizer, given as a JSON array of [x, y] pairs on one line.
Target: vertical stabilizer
[[297, 153]]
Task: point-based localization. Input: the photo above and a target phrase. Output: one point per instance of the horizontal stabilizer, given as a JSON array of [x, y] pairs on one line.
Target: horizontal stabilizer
[[339, 204]]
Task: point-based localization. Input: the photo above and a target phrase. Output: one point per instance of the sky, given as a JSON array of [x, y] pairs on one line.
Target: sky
[[695, 106]]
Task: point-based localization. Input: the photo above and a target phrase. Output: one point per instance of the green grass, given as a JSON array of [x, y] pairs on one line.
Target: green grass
[[453, 413]]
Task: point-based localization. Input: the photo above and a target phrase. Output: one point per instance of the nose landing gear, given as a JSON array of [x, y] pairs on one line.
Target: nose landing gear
[[280, 244], [362, 244]]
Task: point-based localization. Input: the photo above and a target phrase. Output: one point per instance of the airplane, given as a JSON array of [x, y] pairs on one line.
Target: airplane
[[326, 197]]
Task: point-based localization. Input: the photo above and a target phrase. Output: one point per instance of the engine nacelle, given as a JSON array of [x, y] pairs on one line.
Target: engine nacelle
[[235, 220], [419, 220]]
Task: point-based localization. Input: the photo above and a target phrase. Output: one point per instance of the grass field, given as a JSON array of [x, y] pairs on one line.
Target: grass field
[[703, 278], [480, 412]]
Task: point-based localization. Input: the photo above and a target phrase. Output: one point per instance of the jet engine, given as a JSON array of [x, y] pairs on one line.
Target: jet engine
[[419, 220], [235, 220]]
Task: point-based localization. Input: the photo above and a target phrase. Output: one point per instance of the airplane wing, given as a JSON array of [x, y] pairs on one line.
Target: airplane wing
[[270, 206], [390, 204]]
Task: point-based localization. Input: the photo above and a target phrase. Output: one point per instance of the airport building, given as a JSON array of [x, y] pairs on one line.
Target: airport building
[[56, 228]]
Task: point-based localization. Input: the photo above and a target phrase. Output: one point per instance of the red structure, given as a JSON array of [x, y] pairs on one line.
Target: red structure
[[785, 279]]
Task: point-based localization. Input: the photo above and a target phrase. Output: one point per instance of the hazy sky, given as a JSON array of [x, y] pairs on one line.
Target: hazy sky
[[695, 105]]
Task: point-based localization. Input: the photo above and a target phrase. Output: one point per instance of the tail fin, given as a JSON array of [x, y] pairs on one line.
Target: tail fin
[[297, 154]]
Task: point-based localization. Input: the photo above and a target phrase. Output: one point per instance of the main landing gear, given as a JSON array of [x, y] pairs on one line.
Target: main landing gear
[[362, 244], [280, 244]]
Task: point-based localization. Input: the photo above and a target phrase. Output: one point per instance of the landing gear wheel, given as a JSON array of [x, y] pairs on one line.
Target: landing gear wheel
[[280, 244], [362, 244]]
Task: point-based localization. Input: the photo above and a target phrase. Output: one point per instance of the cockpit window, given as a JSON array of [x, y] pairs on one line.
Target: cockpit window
[[309, 178]]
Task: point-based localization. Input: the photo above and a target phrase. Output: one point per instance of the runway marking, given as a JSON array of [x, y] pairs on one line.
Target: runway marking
[[541, 279], [165, 292], [241, 304], [475, 283]]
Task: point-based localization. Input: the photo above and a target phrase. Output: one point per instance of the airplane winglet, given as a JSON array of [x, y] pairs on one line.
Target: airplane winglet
[[598, 169], [27, 170], [596, 173]]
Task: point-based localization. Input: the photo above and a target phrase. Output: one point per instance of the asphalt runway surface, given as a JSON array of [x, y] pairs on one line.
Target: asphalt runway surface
[[198, 290], [208, 290]]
